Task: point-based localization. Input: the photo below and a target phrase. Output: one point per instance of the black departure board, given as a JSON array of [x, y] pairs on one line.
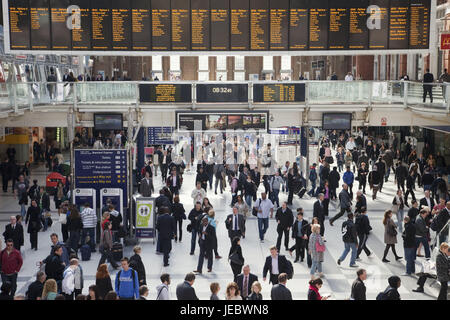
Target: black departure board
[[101, 25], [200, 20], [165, 93], [259, 25], [279, 25], [379, 24], [40, 25], [82, 25], [161, 27], [141, 25], [61, 35], [339, 25], [240, 25], [220, 25], [278, 93], [121, 24], [220, 121], [222, 93], [398, 24], [318, 25], [299, 25], [19, 24], [358, 33], [419, 28], [217, 25]]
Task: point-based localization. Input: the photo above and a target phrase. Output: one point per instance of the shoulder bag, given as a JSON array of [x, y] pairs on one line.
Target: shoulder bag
[[319, 247]]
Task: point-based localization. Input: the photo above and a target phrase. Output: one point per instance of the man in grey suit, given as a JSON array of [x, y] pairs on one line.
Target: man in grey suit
[[235, 224], [146, 188], [279, 291], [185, 291]]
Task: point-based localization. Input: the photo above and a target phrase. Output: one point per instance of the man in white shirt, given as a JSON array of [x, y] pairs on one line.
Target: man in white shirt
[[350, 145], [265, 209], [198, 193], [68, 283], [284, 174], [349, 77]]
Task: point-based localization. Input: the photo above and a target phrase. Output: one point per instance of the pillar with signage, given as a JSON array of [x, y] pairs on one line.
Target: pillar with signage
[[144, 217]]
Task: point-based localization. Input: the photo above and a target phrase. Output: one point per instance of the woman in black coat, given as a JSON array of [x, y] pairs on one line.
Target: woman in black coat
[[103, 281], [179, 215], [34, 218], [74, 226], [237, 261], [136, 263]]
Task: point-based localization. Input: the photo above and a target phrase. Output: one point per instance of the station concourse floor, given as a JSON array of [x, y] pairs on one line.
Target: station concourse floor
[[337, 280]]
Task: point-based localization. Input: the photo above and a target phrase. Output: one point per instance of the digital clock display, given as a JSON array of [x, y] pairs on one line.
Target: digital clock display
[[222, 93]]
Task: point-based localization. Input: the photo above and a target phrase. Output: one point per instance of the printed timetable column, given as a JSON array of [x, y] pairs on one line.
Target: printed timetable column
[[19, 24], [220, 25], [141, 25], [398, 24], [121, 25], [40, 25], [161, 39], [181, 29], [358, 31], [339, 25], [318, 25], [259, 25], [101, 25], [279, 24], [200, 25], [299, 25], [419, 24], [81, 37], [379, 15], [61, 35], [240, 23]]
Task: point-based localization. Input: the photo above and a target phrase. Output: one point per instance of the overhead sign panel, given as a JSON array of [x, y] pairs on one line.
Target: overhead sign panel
[[278, 93], [222, 93], [165, 93]]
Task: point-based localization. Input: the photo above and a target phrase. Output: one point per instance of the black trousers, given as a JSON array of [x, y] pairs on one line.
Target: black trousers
[[401, 185], [291, 195], [443, 291], [340, 214], [362, 245], [326, 203], [299, 248], [234, 233], [282, 231], [65, 232], [408, 192], [333, 194], [236, 268], [166, 247], [362, 184], [107, 255], [12, 278], [34, 240], [5, 184], [427, 90], [179, 231], [274, 279]]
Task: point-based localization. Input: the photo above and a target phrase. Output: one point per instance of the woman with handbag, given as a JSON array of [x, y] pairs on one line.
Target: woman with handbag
[[397, 207], [390, 235], [235, 257], [106, 243], [316, 248], [33, 217]]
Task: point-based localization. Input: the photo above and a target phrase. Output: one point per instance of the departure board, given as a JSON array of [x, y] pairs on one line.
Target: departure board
[[40, 25], [278, 93], [200, 21], [379, 23], [61, 35], [259, 25], [222, 93], [141, 25], [339, 25], [239, 25], [318, 25], [358, 37], [165, 93], [398, 24], [220, 25], [279, 24], [81, 33], [130, 26], [121, 24], [19, 24], [101, 25], [298, 26], [181, 28], [161, 39], [419, 28]]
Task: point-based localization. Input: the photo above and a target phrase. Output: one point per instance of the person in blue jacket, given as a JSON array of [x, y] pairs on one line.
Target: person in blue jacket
[[127, 283], [349, 178]]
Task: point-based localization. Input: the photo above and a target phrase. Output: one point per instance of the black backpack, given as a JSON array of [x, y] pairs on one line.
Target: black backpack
[[133, 276], [384, 294]]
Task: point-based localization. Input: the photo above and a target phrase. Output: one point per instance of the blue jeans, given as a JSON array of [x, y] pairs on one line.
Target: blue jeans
[[263, 225], [313, 188], [426, 246], [248, 200], [91, 233], [348, 246], [400, 215], [410, 257], [275, 198], [23, 211], [316, 265], [193, 240]]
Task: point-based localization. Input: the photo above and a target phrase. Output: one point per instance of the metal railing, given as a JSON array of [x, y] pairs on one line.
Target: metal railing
[[15, 97]]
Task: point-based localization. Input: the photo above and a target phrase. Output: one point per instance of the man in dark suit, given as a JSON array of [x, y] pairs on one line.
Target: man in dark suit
[[275, 264], [206, 242], [166, 228], [280, 291], [284, 220], [427, 201], [174, 183], [14, 231], [146, 188], [299, 234], [162, 200], [245, 281], [319, 212], [345, 199], [185, 291], [235, 224], [164, 160]]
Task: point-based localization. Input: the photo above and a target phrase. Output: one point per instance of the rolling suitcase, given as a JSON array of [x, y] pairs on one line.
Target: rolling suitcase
[[117, 251], [302, 192], [85, 252]]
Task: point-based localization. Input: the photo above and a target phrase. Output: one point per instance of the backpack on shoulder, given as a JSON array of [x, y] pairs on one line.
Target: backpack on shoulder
[[384, 294]]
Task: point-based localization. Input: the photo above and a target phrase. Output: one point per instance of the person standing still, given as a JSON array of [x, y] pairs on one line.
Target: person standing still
[[428, 88]]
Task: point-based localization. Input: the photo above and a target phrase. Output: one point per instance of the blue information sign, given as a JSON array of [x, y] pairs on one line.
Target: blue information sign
[[98, 169], [159, 135]]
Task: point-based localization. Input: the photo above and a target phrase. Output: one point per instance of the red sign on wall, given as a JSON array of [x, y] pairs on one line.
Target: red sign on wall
[[445, 41]]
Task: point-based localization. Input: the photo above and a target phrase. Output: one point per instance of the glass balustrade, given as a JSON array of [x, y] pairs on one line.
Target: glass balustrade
[[339, 92]]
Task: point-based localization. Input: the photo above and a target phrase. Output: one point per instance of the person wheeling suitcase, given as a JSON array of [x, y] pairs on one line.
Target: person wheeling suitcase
[[106, 245]]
